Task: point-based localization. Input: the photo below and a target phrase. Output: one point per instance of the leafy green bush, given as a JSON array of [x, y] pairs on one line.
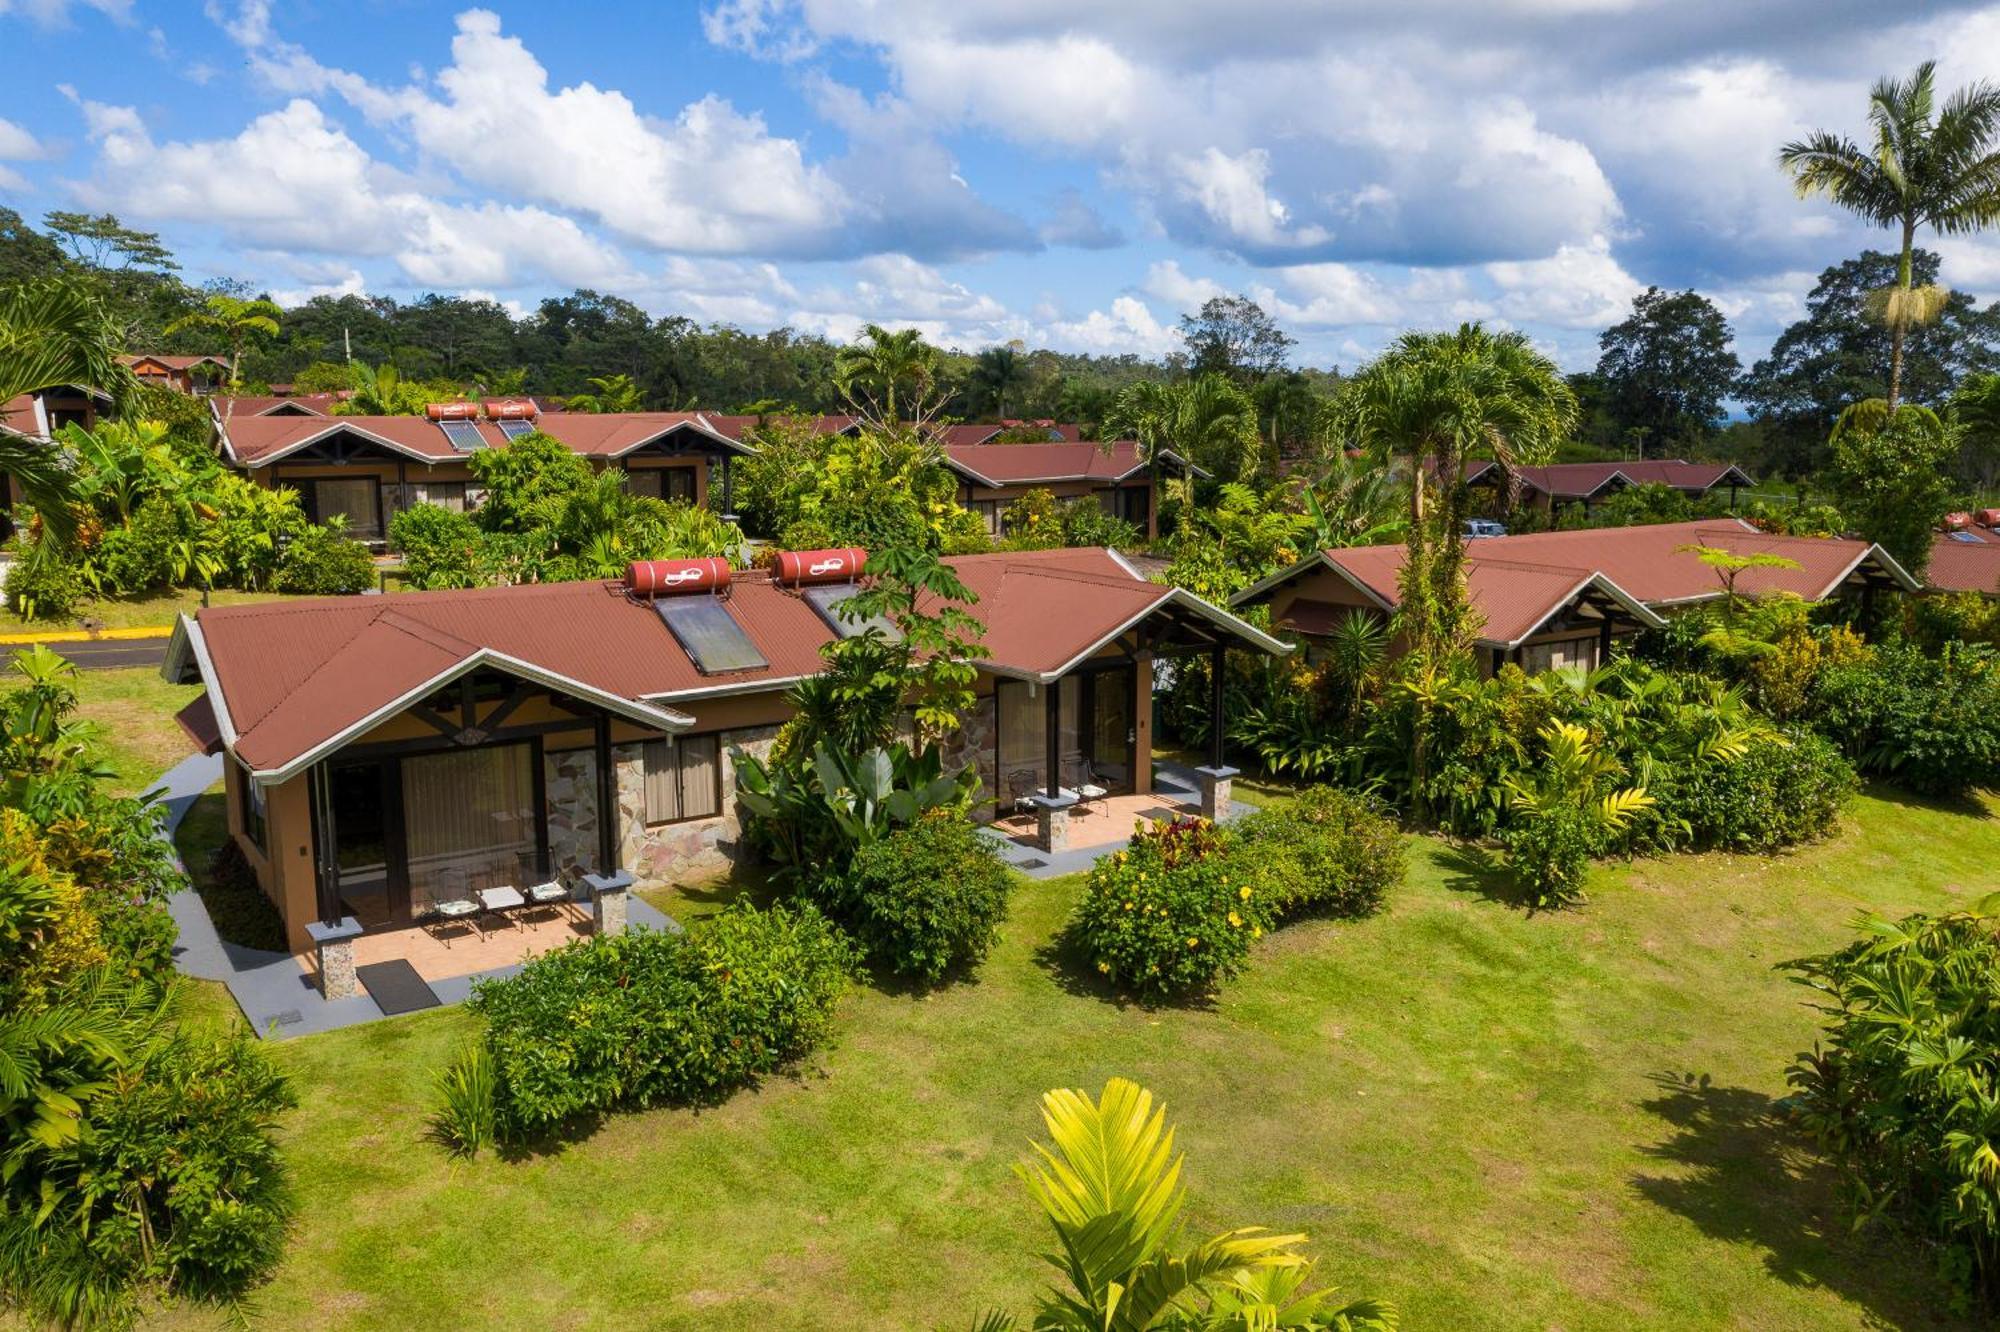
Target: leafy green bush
[[1931, 724], [45, 585], [1951, 617], [321, 561], [923, 901], [1550, 854], [177, 1187], [440, 547], [1900, 1089], [146, 553], [648, 1018], [1784, 790], [1329, 850], [1166, 917]]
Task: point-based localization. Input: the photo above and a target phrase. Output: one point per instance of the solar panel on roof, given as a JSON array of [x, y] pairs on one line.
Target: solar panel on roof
[[1967, 538], [514, 428], [709, 634], [464, 435], [827, 598]]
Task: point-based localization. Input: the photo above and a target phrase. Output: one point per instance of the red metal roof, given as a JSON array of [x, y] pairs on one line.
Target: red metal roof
[[1518, 581], [244, 405], [293, 675], [174, 362], [259, 440], [1965, 566], [18, 415], [1023, 464]]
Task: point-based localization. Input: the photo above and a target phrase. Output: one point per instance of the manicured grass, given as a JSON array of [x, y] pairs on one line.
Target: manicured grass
[[133, 709], [1496, 1120], [159, 610]]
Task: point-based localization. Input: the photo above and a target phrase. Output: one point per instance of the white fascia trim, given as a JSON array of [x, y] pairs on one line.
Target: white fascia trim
[[699, 427], [986, 481], [1895, 570], [727, 690], [188, 632], [1640, 611], [1178, 596], [1322, 558], [334, 426], [1126, 565], [664, 719]]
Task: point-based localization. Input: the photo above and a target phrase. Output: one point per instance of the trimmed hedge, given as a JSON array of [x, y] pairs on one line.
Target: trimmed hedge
[[649, 1018], [1781, 793]]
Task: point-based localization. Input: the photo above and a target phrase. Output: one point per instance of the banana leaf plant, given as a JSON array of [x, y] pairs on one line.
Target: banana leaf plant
[[818, 815]]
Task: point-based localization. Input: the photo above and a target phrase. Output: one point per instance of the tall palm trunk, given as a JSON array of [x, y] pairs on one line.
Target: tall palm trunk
[[1901, 322]]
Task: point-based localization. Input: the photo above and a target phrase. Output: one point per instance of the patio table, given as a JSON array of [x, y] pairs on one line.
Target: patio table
[[499, 901]]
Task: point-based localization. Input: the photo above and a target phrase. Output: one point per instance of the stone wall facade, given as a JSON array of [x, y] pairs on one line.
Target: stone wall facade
[[973, 744], [655, 856]]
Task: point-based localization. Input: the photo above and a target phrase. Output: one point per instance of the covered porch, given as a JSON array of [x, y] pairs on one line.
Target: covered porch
[[1099, 826]]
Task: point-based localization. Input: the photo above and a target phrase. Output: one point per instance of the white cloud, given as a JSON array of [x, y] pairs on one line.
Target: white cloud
[[1129, 326], [293, 179], [1166, 282], [1580, 286], [53, 13]]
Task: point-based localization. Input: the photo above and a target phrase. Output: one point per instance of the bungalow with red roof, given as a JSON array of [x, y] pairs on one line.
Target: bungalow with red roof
[[992, 476], [368, 468], [390, 755], [1591, 482], [37, 416], [185, 374], [1965, 556], [1552, 599]]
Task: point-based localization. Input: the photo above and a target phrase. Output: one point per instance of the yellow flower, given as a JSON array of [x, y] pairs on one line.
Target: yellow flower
[[1128, 906], [1244, 892], [1104, 967], [1256, 931], [1236, 920], [1193, 942]]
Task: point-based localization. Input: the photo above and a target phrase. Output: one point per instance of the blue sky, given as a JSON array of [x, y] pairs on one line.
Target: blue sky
[[1072, 173]]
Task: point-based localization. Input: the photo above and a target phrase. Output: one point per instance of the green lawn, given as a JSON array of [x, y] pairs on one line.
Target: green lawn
[[157, 611], [1496, 1120], [133, 710]]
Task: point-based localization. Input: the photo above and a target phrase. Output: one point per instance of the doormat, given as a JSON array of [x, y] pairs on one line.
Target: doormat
[[395, 987]]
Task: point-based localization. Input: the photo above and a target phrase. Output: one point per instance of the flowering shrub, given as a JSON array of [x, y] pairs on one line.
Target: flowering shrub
[[1166, 917]]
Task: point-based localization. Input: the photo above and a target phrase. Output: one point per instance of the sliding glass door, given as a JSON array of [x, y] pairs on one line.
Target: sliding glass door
[[415, 830]]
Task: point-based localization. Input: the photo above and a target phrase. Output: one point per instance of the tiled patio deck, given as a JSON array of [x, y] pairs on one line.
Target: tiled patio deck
[[1106, 826]]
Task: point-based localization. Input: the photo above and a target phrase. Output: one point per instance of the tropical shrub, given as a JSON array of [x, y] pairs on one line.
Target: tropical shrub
[[814, 818], [42, 585], [1902, 1089], [650, 1018], [1109, 1183], [923, 901], [1565, 815], [1327, 851], [176, 1188], [440, 547], [1784, 789], [321, 561], [1951, 617], [1039, 521], [1931, 724], [1166, 917]]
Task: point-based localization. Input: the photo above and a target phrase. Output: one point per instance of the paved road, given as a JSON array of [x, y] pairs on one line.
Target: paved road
[[104, 654]]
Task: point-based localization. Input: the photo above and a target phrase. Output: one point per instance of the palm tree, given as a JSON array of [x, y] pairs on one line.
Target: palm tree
[[1926, 166], [615, 393], [878, 366], [1439, 400], [1110, 1186], [998, 369], [235, 318], [1207, 422], [53, 334], [1354, 503]]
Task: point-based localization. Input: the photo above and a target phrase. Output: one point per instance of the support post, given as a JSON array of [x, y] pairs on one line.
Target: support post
[[1054, 691], [608, 893], [607, 800], [728, 487], [334, 945], [1217, 659], [1604, 642]]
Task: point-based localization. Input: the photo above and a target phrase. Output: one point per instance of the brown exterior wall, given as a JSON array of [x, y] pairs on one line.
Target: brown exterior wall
[[1001, 496]]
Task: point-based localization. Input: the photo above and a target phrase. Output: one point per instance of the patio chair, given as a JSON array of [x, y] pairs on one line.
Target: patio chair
[[1022, 786], [552, 891], [1082, 779], [451, 908]]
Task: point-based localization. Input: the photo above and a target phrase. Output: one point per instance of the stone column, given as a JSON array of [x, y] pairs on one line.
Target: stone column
[[607, 901], [1215, 792], [1052, 821], [335, 947]]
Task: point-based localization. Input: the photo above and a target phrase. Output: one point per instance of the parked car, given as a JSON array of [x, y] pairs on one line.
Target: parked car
[[1475, 528]]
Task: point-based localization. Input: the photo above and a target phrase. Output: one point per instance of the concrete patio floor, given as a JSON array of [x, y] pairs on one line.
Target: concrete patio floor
[[1106, 827]]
